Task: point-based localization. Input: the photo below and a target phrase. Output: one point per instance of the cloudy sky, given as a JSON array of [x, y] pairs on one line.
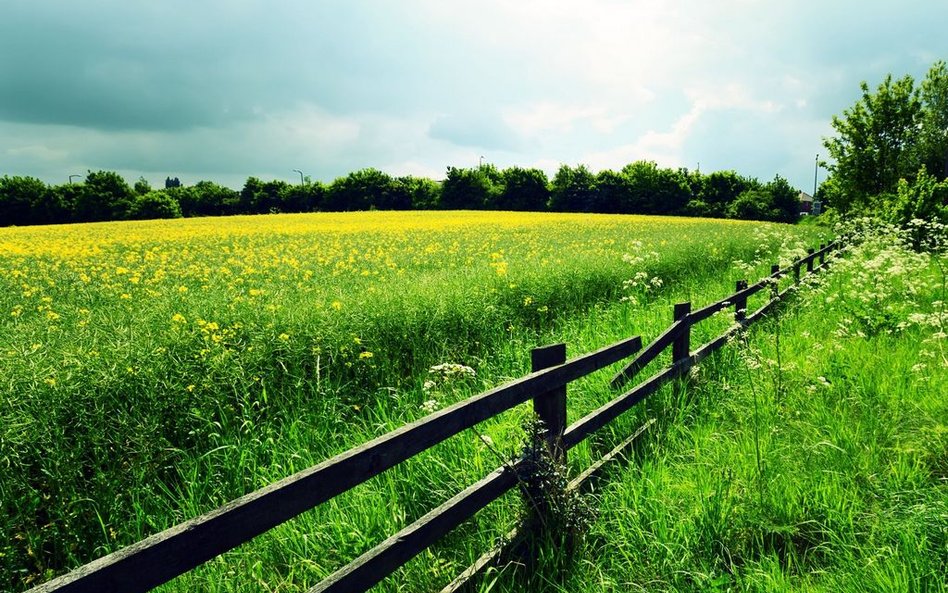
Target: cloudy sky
[[220, 90]]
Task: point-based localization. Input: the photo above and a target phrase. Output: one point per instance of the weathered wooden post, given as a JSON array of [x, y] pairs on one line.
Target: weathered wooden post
[[681, 347], [809, 260], [775, 280], [740, 303], [550, 407], [822, 254], [545, 481]]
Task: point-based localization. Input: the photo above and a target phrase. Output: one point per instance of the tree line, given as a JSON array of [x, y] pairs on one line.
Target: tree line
[[638, 188]]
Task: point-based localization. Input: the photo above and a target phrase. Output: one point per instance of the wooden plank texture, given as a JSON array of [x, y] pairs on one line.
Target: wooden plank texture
[[596, 419], [740, 302], [699, 315], [379, 562], [550, 406], [681, 346], [649, 354], [588, 477]]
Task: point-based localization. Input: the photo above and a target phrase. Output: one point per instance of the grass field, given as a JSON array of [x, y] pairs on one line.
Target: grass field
[[810, 456], [152, 371]]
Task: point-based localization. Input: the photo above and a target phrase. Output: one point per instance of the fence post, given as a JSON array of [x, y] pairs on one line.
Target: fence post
[[809, 260], [550, 407], [822, 254], [775, 286], [740, 303], [681, 347]]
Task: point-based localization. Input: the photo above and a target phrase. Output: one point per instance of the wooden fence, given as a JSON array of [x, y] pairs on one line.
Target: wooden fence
[[163, 556]]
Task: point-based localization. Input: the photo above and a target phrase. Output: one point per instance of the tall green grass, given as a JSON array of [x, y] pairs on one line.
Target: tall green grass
[[808, 456], [126, 420]]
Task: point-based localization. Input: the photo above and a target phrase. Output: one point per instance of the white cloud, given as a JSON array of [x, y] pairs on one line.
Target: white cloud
[[665, 148], [39, 152], [549, 117]]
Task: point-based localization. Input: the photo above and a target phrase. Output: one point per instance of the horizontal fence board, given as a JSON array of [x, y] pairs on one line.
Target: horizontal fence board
[[699, 315], [385, 558], [650, 353], [750, 291], [165, 555], [596, 419], [491, 558], [592, 473], [717, 343]]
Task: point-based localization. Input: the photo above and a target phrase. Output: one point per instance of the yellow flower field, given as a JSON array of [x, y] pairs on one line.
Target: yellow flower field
[[130, 350]]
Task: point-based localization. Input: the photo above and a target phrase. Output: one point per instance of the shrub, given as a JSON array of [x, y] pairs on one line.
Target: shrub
[[154, 204]]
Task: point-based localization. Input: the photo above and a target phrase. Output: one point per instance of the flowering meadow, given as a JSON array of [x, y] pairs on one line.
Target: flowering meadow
[[151, 371], [812, 454]]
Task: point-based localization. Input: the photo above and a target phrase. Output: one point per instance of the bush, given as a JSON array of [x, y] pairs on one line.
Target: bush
[[753, 204], [154, 204], [926, 198]]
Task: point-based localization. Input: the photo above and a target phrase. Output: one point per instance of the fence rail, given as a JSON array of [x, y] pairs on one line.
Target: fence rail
[[170, 553]]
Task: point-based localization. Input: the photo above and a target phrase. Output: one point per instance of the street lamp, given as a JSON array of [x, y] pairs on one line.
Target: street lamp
[[71, 176], [301, 176], [480, 163], [816, 169]]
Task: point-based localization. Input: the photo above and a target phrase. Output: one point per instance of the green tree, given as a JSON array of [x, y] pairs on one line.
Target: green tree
[[154, 204], [934, 130], [924, 198], [423, 193], [784, 200], [205, 198], [259, 197], [876, 143], [613, 193], [655, 190], [142, 186], [471, 189], [718, 189], [573, 189], [271, 199], [61, 202], [360, 190], [306, 197], [523, 189], [103, 196], [20, 198], [753, 204]]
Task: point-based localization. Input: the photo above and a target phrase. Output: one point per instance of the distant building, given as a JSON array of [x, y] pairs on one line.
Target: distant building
[[806, 203]]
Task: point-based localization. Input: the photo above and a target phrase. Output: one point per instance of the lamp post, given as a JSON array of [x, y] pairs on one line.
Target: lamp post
[[71, 176], [816, 169], [301, 176], [480, 163]]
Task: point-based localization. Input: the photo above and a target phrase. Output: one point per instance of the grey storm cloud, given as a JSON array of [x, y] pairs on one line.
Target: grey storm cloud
[[224, 89], [176, 65]]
